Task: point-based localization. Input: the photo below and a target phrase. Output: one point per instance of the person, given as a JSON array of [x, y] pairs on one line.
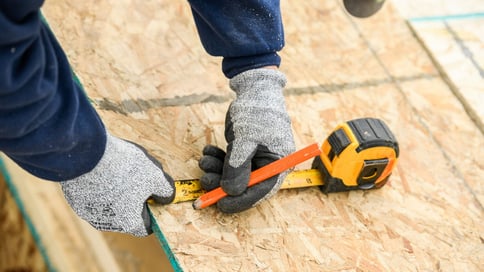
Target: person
[[49, 128]]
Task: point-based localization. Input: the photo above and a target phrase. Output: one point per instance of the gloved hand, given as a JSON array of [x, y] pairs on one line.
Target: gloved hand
[[258, 132], [112, 196]]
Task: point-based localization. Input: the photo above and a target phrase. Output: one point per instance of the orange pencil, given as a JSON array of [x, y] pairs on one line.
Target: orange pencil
[[262, 174]]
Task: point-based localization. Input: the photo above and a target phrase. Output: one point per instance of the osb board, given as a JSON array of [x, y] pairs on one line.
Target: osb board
[[458, 47], [427, 218], [144, 68], [134, 254], [437, 8], [67, 242], [18, 250]]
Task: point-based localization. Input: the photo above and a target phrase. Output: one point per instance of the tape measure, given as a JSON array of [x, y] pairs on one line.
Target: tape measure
[[359, 154]]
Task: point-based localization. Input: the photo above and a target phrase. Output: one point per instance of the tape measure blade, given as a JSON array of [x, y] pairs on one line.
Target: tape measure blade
[[303, 178], [191, 189], [187, 190]]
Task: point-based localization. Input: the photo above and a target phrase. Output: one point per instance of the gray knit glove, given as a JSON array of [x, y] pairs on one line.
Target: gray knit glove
[[112, 196], [258, 132]]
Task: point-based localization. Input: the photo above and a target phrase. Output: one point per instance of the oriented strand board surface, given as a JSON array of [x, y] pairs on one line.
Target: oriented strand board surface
[[458, 46], [144, 68], [18, 251], [437, 8]]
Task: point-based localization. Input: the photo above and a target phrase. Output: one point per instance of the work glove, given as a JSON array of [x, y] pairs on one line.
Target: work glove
[[258, 132], [112, 196]]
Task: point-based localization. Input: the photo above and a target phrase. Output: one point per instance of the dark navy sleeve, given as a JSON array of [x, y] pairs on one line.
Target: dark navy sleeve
[[47, 125], [247, 34]]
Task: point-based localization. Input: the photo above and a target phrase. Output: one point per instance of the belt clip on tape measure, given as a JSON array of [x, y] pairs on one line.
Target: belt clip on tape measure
[[358, 154]]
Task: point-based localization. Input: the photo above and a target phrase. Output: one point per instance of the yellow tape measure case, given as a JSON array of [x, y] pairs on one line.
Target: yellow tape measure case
[[358, 154]]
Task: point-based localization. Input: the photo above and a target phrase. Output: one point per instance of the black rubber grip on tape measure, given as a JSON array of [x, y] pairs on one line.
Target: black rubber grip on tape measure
[[338, 140], [371, 132]]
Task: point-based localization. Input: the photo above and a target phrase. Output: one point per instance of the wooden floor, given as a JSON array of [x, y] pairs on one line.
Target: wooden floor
[[150, 79]]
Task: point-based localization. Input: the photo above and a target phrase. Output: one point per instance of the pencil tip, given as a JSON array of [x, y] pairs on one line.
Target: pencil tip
[[196, 204]]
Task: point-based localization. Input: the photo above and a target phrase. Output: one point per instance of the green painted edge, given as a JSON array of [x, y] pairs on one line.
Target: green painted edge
[[35, 234], [164, 244], [477, 15]]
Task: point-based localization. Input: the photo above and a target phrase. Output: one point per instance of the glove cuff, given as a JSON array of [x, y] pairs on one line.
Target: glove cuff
[[247, 80]]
